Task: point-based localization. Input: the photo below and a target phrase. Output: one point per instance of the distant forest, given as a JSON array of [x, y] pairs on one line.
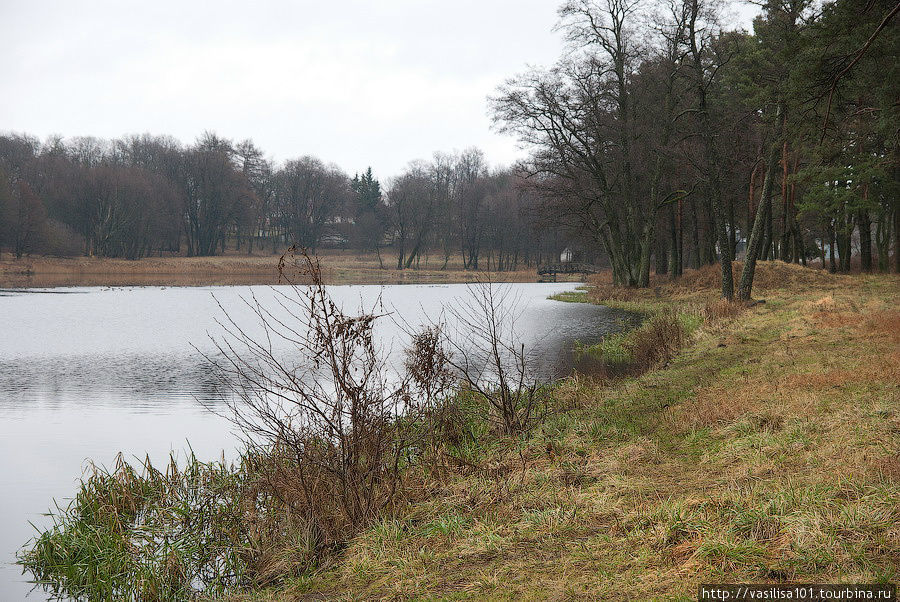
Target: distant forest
[[146, 195], [660, 140]]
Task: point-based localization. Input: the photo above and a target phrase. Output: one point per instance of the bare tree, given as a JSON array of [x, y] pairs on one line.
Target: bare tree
[[310, 194], [335, 421], [470, 190], [580, 121], [27, 219], [486, 354], [701, 26], [412, 206], [217, 195]]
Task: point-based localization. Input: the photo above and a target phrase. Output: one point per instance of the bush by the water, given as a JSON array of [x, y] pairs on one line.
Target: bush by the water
[[331, 441], [651, 344], [150, 534]]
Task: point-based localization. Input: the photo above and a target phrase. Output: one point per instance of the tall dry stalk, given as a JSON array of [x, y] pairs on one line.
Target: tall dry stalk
[[337, 422], [487, 356]]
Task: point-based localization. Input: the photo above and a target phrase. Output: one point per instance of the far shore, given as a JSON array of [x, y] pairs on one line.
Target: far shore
[[339, 267]]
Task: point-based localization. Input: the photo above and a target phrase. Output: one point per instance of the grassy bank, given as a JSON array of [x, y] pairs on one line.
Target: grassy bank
[[765, 451], [765, 447], [339, 267]]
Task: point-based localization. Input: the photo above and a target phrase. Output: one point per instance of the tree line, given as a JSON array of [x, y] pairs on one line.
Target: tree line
[[673, 141], [661, 140], [150, 195]]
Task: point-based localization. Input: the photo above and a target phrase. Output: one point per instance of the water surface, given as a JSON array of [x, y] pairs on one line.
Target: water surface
[[88, 372]]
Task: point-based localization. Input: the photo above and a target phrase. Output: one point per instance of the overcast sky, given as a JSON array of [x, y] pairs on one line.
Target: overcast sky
[[353, 82]]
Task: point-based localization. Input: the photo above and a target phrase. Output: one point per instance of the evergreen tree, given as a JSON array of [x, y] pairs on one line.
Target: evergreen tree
[[367, 190]]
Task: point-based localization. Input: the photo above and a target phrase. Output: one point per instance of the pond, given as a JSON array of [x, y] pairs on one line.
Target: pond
[[88, 372]]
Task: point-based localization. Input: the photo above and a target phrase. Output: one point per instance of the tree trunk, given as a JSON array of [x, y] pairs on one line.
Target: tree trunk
[[843, 233], [766, 251], [753, 246], [646, 245], [883, 240], [833, 266], [783, 250], [661, 253], [896, 205], [865, 240], [679, 236], [673, 245], [725, 248], [711, 235], [799, 250], [751, 201], [732, 227], [695, 236]]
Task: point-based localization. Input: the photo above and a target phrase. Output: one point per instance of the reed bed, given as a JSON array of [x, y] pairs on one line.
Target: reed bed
[[186, 530], [339, 267]]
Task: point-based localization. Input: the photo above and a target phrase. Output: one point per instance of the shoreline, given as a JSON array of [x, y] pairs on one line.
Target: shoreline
[[232, 270], [762, 441]]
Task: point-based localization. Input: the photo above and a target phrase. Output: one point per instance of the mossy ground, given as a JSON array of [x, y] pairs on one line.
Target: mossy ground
[[767, 450]]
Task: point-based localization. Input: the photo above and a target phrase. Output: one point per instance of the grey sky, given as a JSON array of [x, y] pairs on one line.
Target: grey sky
[[355, 83]]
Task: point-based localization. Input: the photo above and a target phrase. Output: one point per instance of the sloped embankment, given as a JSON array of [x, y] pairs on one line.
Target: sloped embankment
[[767, 450]]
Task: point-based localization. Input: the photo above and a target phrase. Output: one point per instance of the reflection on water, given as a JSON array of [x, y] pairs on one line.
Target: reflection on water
[[139, 382], [87, 372], [82, 279]]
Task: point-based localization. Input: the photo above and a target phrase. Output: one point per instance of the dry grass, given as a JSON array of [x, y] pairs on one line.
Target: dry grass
[[765, 451], [886, 322], [712, 407], [656, 342], [722, 309], [704, 283], [339, 267], [769, 275]]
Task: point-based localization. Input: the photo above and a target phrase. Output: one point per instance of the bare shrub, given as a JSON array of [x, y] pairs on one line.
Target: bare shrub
[[333, 424], [62, 240], [492, 365], [722, 309], [427, 364], [656, 342]]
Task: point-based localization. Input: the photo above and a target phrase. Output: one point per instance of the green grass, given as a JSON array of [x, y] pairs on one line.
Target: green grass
[[145, 534]]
